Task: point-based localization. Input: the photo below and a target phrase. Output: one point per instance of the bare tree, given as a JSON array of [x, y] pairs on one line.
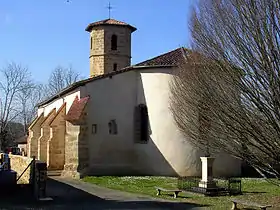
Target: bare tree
[[60, 78], [28, 98], [14, 79], [227, 97]]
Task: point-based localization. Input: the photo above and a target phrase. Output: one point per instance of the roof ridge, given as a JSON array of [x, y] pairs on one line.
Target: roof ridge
[[180, 49], [110, 21], [166, 62], [158, 56]]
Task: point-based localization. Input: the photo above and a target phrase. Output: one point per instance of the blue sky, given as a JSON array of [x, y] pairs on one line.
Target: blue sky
[[42, 34]]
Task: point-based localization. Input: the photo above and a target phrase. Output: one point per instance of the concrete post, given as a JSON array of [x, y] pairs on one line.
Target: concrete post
[[207, 173]]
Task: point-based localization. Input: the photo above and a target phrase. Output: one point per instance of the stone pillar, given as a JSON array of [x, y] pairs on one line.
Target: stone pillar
[[207, 173]]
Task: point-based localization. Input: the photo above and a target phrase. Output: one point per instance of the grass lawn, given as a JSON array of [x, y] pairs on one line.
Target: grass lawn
[[253, 189]]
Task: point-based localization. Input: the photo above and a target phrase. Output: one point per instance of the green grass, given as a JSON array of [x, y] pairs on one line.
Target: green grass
[[253, 189]]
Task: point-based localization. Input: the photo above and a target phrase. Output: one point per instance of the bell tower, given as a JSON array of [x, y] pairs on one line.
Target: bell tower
[[110, 46]]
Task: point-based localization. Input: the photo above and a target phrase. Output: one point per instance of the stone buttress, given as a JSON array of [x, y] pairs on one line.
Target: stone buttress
[[56, 142], [76, 145], [34, 135], [45, 135]]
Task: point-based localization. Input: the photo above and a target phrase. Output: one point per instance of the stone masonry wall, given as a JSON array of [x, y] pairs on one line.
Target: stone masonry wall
[[19, 164], [121, 56], [97, 52], [43, 149], [96, 65], [102, 57], [76, 149], [71, 151], [34, 135], [57, 141], [83, 146]]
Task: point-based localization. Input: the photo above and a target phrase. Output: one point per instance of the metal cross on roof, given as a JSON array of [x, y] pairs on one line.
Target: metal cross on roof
[[109, 9]]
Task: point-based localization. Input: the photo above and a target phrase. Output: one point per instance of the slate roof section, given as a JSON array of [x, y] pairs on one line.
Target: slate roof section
[[109, 22], [173, 57], [76, 109]]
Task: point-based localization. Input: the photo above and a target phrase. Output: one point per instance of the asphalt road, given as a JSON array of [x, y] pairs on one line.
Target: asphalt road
[[74, 194]]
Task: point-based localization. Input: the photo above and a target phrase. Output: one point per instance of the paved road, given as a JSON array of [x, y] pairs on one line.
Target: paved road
[[74, 194]]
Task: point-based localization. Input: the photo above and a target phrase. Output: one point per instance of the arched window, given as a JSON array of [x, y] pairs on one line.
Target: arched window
[[113, 128], [141, 123], [115, 67], [114, 42]]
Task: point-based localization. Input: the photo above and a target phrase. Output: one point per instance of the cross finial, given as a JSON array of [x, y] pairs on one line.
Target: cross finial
[[109, 9]]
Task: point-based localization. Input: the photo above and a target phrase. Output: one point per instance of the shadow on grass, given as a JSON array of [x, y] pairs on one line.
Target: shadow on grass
[[251, 192], [67, 197]]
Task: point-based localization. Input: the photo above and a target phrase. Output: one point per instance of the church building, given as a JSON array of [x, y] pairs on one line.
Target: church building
[[118, 121]]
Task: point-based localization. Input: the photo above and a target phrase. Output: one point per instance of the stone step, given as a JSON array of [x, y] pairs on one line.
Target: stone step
[[54, 172]]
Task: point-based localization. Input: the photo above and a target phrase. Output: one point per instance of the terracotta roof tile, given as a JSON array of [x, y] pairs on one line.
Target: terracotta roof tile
[[173, 57], [76, 109], [109, 22]]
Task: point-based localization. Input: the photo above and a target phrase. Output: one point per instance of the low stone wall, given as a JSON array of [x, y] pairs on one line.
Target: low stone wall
[[19, 164]]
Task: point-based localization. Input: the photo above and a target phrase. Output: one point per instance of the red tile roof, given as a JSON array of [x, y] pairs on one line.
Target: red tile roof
[[109, 22], [173, 57], [76, 109], [167, 60]]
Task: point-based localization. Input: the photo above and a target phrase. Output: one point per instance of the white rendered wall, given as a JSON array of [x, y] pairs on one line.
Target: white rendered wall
[[57, 103], [111, 99], [168, 152]]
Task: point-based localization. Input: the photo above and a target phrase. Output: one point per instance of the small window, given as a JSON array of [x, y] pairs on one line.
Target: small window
[[90, 42], [94, 129], [141, 123], [115, 67], [114, 42], [113, 129]]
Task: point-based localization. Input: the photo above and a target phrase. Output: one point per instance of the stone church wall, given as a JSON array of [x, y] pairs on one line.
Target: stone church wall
[[76, 150], [43, 141], [168, 152], [93, 148], [71, 150], [34, 135], [102, 57], [57, 141], [68, 99], [111, 99]]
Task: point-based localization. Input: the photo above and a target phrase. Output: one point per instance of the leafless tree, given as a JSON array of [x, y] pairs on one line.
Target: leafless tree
[[14, 79], [28, 99], [226, 95], [60, 78]]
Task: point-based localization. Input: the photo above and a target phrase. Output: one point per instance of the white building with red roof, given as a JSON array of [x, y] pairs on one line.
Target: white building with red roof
[[118, 121]]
